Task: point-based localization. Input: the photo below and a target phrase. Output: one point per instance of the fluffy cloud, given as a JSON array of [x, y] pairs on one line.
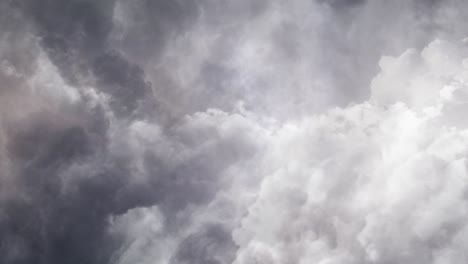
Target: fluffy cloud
[[378, 182], [383, 181], [233, 132]]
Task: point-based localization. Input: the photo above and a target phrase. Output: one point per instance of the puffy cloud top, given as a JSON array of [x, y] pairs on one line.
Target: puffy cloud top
[[239, 132]]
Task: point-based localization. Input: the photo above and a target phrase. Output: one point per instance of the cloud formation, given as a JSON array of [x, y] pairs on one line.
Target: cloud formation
[[233, 132]]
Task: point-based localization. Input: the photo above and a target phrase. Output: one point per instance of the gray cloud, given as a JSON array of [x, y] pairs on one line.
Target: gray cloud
[[227, 131], [212, 244]]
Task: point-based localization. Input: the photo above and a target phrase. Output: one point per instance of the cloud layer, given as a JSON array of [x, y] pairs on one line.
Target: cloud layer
[[233, 132]]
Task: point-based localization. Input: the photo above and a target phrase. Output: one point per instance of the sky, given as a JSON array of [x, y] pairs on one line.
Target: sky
[[233, 131]]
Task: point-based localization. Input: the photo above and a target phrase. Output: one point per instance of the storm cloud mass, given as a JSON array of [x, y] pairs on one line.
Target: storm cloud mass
[[233, 131]]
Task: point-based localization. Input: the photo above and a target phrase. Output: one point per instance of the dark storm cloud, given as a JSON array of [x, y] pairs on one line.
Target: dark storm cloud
[[125, 82], [72, 32], [76, 163], [77, 36], [75, 32], [211, 245], [44, 224], [143, 27], [61, 213]]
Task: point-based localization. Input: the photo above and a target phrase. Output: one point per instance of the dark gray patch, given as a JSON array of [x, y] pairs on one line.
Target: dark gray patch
[[211, 245], [122, 80], [46, 223], [71, 31], [151, 23], [75, 35], [52, 226], [343, 3]]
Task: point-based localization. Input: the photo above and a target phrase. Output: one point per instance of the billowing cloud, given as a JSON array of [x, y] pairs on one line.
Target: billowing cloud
[[382, 181], [233, 132]]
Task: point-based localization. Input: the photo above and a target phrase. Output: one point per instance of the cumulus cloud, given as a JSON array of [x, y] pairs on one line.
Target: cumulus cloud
[[382, 181], [233, 132]]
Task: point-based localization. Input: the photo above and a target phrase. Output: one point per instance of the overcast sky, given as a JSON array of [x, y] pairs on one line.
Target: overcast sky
[[233, 131]]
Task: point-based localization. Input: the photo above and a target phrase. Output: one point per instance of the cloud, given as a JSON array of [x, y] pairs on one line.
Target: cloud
[[378, 182], [232, 132]]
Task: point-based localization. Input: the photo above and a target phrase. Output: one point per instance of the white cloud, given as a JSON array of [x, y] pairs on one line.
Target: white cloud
[[383, 181], [376, 182]]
